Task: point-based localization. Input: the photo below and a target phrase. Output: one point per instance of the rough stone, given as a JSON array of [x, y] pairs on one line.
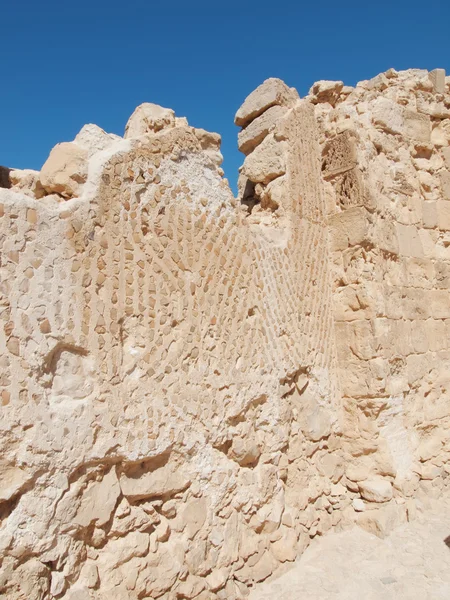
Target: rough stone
[[195, 387], [258, 129], [149, 118], [266, 162], [270, 93], [65, 170], [376, 489]]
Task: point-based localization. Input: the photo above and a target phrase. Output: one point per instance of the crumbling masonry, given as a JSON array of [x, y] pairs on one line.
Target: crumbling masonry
[[194, 386]]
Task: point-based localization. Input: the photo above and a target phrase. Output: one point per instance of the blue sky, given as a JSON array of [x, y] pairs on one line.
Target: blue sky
[[65, 64]]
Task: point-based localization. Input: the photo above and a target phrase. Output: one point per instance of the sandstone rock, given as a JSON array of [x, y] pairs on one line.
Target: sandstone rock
[[417, 126], [217, 579], [266, 162], [210, 142], [194, 516], [387, 116], [149, 118], [437, 78], [137, 483], [245, 451], [326, 91], [376, 489], [58, 583], [358, 505], [27, 182], [13, 480], [381, 522], [285, 549], [270, 93], [94, 139], [98, 501], [65, 170], [258, 129]]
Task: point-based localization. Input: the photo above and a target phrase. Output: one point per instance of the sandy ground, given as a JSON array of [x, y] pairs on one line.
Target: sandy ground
[[413, 563]]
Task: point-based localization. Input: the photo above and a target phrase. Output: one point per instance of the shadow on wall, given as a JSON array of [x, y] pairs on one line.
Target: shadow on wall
[[4, 177]]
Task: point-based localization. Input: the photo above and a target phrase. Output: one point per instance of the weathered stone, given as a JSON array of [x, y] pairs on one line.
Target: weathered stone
[[270, 93], [93, 139], [149, 118], [437, 78], [326, 91], [65, 170], [98, 501], [194, 386], [13, 480], [387, 116], [137, 483], [376, 489], [27, 182], [266, 162], [258, 129]]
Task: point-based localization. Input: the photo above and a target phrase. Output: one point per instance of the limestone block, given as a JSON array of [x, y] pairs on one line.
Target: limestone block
[[382, 521], [409, 241], [210, 143], [149, 118], [358, 505], [339, 154], [94, 139], [318, 424], [429, 105], [387, 236], [89, 575], [429, 214], [245, 451], [217, 579], [350, 228], [326, 91], [285, 549], [99, 501], [270, 93], [28, 182], [387, 116], [439, 304], [13, 480], [193, 516], [440, 134], [266, 162], [437, 78], [362, 341], [446, 156], [417, 126], [445, 184], [58, 583], [138, 482], [257, 130], [443, 214], [121, 550], [65, 170], [442, 274], [379, 82], [376, 489]]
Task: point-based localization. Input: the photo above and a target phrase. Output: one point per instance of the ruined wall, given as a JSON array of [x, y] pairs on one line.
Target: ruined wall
[[194, 386], [386, 161]]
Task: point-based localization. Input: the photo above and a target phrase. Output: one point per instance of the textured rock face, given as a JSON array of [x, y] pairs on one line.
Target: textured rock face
[[193, 386]]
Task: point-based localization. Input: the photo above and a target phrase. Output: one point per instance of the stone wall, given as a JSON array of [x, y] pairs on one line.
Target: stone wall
[[193, 386], [386, 161]]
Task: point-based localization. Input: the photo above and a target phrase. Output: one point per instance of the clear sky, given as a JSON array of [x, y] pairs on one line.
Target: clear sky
[[65, 64]]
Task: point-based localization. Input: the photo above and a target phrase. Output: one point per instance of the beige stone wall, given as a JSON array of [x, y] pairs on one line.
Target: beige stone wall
[[385, 147], [194, 386], [170, 407]]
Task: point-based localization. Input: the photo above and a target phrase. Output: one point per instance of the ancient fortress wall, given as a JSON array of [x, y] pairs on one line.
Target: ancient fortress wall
[[193, 386]]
